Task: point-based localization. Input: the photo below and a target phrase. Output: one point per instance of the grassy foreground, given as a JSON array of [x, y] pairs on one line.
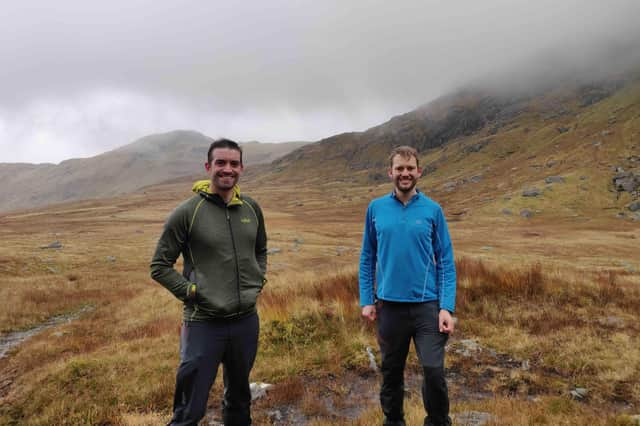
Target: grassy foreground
[[543, 319]]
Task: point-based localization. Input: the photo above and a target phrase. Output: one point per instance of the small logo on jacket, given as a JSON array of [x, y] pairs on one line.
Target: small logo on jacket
[[245, 220]]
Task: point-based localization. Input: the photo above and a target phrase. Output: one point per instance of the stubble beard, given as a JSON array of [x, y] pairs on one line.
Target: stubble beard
[[218, 182], [405, 190]]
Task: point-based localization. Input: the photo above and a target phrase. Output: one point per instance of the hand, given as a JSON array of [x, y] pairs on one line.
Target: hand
[[445, 322], [369, 312]]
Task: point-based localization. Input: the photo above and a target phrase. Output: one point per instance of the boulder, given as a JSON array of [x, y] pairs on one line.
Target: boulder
[[534, 192], [476, 146], [53, 245], [258, 389], [526, 213], [579, 393], [626, 182], [554, 179]]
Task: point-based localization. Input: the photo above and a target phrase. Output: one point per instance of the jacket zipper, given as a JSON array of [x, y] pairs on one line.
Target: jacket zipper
[[235, 257]]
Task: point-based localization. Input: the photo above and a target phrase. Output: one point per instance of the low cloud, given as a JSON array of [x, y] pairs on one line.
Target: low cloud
[[84, 77]]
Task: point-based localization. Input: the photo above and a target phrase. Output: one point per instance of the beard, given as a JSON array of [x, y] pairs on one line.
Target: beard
[[405, 189], [225, 182]]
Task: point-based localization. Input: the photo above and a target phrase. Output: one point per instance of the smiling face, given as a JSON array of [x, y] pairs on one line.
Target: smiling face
[[404, 172], [224, 169]]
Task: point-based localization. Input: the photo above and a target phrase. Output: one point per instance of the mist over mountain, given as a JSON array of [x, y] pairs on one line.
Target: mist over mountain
[[480, 109]]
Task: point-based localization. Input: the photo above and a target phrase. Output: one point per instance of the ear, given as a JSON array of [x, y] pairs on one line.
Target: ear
[[207, 166], [390, 173], [419, 171]]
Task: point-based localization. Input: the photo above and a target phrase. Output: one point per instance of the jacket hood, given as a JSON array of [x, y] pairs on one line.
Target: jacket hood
[[203, 187]]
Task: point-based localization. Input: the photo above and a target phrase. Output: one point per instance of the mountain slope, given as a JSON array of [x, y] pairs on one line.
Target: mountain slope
[[147, 161], [481, 150]]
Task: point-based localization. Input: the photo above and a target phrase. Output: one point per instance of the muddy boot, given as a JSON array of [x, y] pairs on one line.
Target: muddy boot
[[388, 422], [429, 422]]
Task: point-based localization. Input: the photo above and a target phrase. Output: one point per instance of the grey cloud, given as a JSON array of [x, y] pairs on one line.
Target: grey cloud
[[275, 66]]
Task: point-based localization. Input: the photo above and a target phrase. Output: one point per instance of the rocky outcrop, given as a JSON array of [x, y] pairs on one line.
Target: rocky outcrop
[[627, 181]]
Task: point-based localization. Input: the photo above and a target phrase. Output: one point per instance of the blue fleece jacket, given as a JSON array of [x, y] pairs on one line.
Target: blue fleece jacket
[[407, 254]]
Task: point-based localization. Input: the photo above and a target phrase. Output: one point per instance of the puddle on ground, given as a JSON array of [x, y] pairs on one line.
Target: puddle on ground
[[11, 340]]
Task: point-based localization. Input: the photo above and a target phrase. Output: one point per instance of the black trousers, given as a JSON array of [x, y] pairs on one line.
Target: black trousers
[[203, 346], [398, 324]]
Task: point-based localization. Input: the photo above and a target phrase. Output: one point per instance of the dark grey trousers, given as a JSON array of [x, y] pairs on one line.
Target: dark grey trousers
[[398, 324], [203, 346]]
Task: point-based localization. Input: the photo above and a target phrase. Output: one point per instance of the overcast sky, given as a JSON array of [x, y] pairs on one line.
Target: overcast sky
[[81, 77]]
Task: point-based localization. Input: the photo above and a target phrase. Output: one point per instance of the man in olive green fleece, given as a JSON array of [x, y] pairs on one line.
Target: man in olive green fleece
[[221, 236]]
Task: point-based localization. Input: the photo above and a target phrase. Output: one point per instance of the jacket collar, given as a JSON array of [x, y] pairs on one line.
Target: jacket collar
[[203, 187]]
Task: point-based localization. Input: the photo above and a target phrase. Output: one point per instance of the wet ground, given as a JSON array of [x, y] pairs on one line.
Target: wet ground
[[473, 371], [11, 340]]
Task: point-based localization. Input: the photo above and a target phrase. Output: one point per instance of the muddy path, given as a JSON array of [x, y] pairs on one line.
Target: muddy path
[[12, 340], [474, 373]]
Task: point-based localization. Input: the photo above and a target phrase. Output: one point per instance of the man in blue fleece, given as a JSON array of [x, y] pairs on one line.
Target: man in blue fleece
[[408, 283]]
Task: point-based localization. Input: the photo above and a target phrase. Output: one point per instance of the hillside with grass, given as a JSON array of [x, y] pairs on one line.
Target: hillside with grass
[[146, 161], [548, 284], [574, 150]]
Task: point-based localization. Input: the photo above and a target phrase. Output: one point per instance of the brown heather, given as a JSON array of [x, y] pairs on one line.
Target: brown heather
[[553, 301]]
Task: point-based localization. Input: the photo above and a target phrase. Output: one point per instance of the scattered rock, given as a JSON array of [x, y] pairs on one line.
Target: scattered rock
[[605, 132], [525, 365], [626, 181], [473, 418], [372, 359], [534, 192], [551, 163], [53, 245], [621, 215], [52, 269], [526, 213], [475, 179], [583, 178], [635, 206], [555, 179], [612, 321], [486, 248], [340, 250], [449, 186], [298, 241], [274, 250], [477, 146], [468, 347], [562, 129], [629, 267], [507, 212], [596, 143], [275, 416], [579, 393], [110, 259], [258, 389]]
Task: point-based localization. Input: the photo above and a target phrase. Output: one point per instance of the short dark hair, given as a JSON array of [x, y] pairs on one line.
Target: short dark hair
[[223, 143], [405, 152]]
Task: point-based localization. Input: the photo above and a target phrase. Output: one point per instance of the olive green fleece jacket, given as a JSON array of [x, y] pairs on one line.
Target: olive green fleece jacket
[[224, 248]]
